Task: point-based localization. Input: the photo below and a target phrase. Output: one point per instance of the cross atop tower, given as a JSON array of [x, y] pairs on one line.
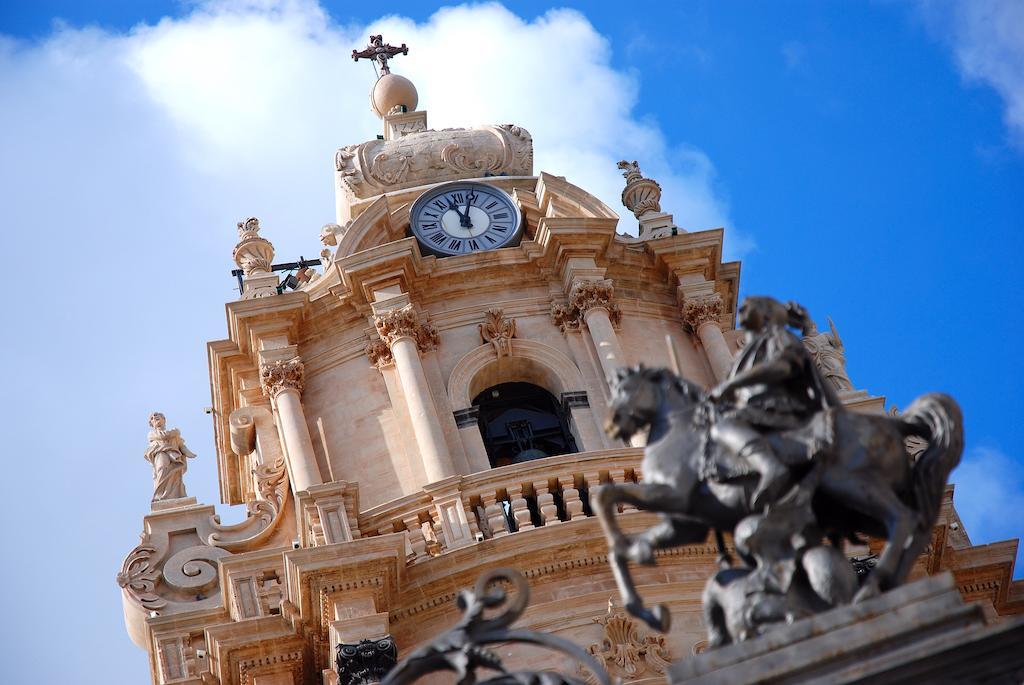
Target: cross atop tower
[[380, 52]]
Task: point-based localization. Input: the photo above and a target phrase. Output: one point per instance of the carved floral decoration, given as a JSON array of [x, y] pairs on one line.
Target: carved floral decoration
[[498, 330], [625, 651]]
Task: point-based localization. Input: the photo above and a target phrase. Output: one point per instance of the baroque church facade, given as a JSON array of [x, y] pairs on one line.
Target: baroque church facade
[[430, 404]]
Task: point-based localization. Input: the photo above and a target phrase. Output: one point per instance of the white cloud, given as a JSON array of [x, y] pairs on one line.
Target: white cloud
[[987, 38], [989, 497], [256, 96]]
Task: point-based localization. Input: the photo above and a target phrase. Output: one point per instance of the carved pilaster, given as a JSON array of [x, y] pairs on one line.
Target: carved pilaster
[[698, 311], [498, 330], [641, 195], [405, 323], [282, 374], [365, 662]]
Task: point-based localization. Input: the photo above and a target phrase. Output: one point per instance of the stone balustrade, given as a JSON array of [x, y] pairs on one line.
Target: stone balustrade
[[447, 515], [491, 504]]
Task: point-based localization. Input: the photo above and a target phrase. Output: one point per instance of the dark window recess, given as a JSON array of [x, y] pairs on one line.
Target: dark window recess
[[522, 422]]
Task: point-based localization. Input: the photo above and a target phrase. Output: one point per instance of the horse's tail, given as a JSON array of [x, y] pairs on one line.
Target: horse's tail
[[936, 418]]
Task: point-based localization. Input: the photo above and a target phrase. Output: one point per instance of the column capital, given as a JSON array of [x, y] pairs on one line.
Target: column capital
[[702, 309], [586, 295], [379, 353], [395, 324], [282, 374]]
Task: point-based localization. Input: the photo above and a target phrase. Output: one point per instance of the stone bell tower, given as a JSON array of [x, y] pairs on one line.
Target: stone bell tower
[[430, 402]]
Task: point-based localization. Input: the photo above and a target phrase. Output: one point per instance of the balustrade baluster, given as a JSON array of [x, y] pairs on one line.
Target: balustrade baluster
[[495, 511], [546, 503], [520, 508], [571, 498]]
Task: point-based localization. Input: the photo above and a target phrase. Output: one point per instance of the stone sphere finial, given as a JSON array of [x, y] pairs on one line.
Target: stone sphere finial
[[391, 93]]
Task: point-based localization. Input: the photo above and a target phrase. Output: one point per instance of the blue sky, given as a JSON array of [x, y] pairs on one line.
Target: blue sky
[[865, 159]]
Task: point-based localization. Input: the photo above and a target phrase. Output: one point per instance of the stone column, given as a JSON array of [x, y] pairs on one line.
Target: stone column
[[467, 421], [702, 315], [405, 337], [282, 381], [594, 302]]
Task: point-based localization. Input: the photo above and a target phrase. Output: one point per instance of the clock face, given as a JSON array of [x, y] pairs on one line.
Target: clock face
[[463, 217]]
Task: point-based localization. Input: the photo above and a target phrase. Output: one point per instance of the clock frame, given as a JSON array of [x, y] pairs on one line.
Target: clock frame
[[463, 217]]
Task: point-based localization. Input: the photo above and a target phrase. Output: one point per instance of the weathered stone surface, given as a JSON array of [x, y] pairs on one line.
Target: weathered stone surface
[[919, 633]]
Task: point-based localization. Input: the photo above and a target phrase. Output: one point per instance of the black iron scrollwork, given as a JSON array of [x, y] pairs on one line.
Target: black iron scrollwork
[[463, 649]]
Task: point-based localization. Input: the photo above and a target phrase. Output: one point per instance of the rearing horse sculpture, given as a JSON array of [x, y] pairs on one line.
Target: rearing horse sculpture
[[866, 481]]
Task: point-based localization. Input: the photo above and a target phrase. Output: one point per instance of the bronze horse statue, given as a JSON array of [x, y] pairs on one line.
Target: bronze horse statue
[[865, 481]]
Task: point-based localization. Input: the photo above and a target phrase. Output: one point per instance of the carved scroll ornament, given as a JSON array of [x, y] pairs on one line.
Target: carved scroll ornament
[[174, 567], [627, 651], [417, 158]]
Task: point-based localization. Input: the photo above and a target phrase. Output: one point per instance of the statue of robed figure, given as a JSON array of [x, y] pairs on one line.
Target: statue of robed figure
[[168, 455]]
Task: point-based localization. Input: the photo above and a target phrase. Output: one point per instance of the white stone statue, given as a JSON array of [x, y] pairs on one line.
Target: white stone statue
[[169, 456], [829, 355]]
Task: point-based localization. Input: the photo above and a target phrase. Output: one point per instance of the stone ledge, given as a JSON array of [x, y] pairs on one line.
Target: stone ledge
[[921, 632]]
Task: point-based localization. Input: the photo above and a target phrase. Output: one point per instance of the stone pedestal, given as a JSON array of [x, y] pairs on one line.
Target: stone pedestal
[[919, 633]]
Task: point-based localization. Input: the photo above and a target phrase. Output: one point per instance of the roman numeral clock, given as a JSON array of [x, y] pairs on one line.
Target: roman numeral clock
[[463, 217]]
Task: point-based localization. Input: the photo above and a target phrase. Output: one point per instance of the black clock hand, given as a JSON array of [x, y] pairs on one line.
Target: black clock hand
[[464, 219]]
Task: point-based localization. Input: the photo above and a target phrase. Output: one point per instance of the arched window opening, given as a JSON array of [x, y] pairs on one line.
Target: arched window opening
[[522, 422]]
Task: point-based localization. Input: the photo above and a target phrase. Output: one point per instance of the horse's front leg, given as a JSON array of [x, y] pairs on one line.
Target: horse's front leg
[[623, 548]]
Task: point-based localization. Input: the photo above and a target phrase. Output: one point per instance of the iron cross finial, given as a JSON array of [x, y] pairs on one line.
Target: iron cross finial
[[380, 52]]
